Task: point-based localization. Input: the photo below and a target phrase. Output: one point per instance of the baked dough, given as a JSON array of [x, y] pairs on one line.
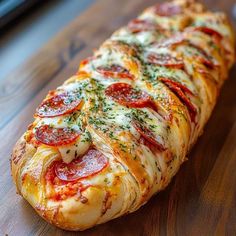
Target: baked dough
[[116, 132]]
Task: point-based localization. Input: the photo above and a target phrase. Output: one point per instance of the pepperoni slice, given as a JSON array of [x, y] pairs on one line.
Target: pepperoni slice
[[55, 136], [126, 95], [208, 63], [138, 25], [167, 9], [179, 89], [165, 60], [88, 165], [204, 59], [115, 71], [209, 31], [148, 135], [182, 87], [58, 105], [171, 42]]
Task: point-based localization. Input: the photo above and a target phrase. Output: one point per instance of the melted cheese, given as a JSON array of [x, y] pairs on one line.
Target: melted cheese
[[70, 152]]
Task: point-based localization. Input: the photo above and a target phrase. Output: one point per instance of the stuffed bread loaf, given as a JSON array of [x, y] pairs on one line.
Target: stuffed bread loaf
[[115, 133]]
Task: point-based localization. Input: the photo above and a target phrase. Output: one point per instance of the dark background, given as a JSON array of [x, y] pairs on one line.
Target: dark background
[[25, 33]]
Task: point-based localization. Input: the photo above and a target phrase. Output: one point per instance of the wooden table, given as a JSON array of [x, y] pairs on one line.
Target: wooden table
[[201, 200]]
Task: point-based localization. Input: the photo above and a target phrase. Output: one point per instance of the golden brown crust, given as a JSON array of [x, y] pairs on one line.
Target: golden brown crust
[[136, 168], [21, 152]]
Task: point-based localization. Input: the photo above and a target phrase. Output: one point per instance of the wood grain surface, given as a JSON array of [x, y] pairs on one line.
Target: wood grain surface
[[201, 200]]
